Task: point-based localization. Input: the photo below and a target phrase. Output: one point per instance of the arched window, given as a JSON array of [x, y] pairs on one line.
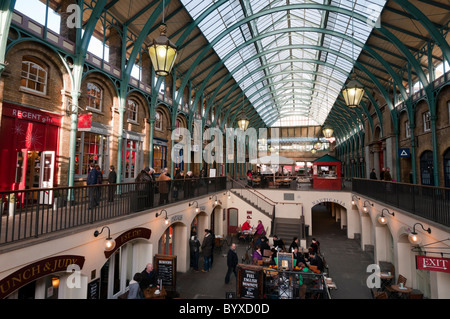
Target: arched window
[[447, 168], [132, 111], [34, 75], [158, 120], [426, 168], [95, 97]]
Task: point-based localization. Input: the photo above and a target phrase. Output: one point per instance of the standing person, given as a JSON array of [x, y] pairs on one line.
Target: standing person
[[135, 291], [164, 187], [207, 245], [387, 175], [382, 174], [92, 180], [178, 182], [194, 245], [99, 182], [232, 261], [144, 197], [112, 179], [373, 174]]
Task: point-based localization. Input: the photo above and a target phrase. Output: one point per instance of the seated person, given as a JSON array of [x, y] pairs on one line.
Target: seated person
[[149, 277], [299, 257], [264, 245], [315, 245], [315, 260], [257, 255], [278, 243], [246, 227]]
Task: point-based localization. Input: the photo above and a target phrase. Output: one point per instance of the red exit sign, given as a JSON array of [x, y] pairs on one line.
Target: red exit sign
[[433, 263]]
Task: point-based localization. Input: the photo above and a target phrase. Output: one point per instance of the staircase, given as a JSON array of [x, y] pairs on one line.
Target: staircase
[[287, 228], [258, 203]]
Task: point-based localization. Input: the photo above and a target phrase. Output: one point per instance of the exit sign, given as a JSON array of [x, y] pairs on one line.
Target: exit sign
[[433, 264]]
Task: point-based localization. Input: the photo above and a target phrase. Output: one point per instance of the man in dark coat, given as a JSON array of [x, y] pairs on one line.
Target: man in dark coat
[[194, 245], [315, 260], [207, 247], [144, 190], [112, 179], [92, 180], [373, 174], [232, 261], [149, 277]]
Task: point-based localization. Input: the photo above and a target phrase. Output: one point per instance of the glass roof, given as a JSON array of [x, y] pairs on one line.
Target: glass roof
[[280, 63]]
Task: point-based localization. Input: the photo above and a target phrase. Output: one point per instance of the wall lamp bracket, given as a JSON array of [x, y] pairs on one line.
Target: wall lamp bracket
[[110, 243]]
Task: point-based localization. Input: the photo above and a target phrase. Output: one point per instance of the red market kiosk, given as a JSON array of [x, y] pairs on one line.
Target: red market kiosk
[[327, 173]]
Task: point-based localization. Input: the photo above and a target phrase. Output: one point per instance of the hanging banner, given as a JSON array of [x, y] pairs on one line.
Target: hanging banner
[[84, 122], [433, 264]]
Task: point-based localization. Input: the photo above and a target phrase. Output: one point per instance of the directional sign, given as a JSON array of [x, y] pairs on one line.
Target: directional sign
[[404, 152]]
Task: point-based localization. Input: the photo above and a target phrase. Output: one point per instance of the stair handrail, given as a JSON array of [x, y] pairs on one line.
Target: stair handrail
[[263, 197]]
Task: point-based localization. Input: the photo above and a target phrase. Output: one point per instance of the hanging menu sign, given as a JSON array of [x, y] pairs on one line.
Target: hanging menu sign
[[166, 268], [250, 282]]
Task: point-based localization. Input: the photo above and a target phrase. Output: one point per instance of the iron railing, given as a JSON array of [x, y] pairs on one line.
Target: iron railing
[[32, 213], [282, 284], [432, 203]]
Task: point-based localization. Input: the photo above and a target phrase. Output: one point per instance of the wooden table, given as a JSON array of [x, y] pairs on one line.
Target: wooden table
[[403, 291], [149, 293], [385, 279]]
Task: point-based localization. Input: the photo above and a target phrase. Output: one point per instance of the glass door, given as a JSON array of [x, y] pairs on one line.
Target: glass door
[[46, 176]]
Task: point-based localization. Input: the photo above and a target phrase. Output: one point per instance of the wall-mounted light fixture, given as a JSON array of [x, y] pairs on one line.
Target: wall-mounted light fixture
[[382, 219], [353, 199], [197, 210], [414, 238], [366, 207], [109, 243], [55, 282], [166, 220], [229, 194], [215, 201]]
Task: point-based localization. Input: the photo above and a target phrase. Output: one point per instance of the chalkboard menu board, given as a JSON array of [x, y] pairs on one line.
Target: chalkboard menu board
[[250, 282], [285, 261], [94, 289], [166, 268]]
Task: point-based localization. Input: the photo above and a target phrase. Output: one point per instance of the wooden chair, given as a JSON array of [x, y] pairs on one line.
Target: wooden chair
[[414, 295], [400, 280], [380, 295], [267, 254]]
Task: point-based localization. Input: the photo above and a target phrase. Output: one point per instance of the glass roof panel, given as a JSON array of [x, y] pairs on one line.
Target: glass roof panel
[[272, 98]]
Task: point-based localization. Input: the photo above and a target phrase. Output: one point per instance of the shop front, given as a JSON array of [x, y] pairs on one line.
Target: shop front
[[29, 144], [327, 173]]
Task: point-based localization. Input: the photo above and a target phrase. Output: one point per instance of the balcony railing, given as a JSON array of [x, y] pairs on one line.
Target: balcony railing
[[32, 213], [432, 203]]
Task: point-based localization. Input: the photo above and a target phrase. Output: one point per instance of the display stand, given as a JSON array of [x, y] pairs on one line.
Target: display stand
[[327, 173]]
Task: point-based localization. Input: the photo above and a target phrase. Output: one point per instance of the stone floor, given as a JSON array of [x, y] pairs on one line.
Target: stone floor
[[347, 265]]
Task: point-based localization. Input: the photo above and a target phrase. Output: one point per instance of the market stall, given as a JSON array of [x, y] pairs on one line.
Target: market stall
[[327, 173]]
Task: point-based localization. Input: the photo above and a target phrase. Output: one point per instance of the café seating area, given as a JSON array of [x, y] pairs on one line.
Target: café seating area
[[394, 288]]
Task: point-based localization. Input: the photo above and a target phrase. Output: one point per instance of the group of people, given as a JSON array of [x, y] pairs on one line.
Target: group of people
[[141, 281], [385, 174], [310, 258], [95, 177], [164, 184]]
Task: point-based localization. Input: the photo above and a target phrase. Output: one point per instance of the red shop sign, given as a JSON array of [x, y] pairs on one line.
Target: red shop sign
[[433, 264], [29, 114]]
